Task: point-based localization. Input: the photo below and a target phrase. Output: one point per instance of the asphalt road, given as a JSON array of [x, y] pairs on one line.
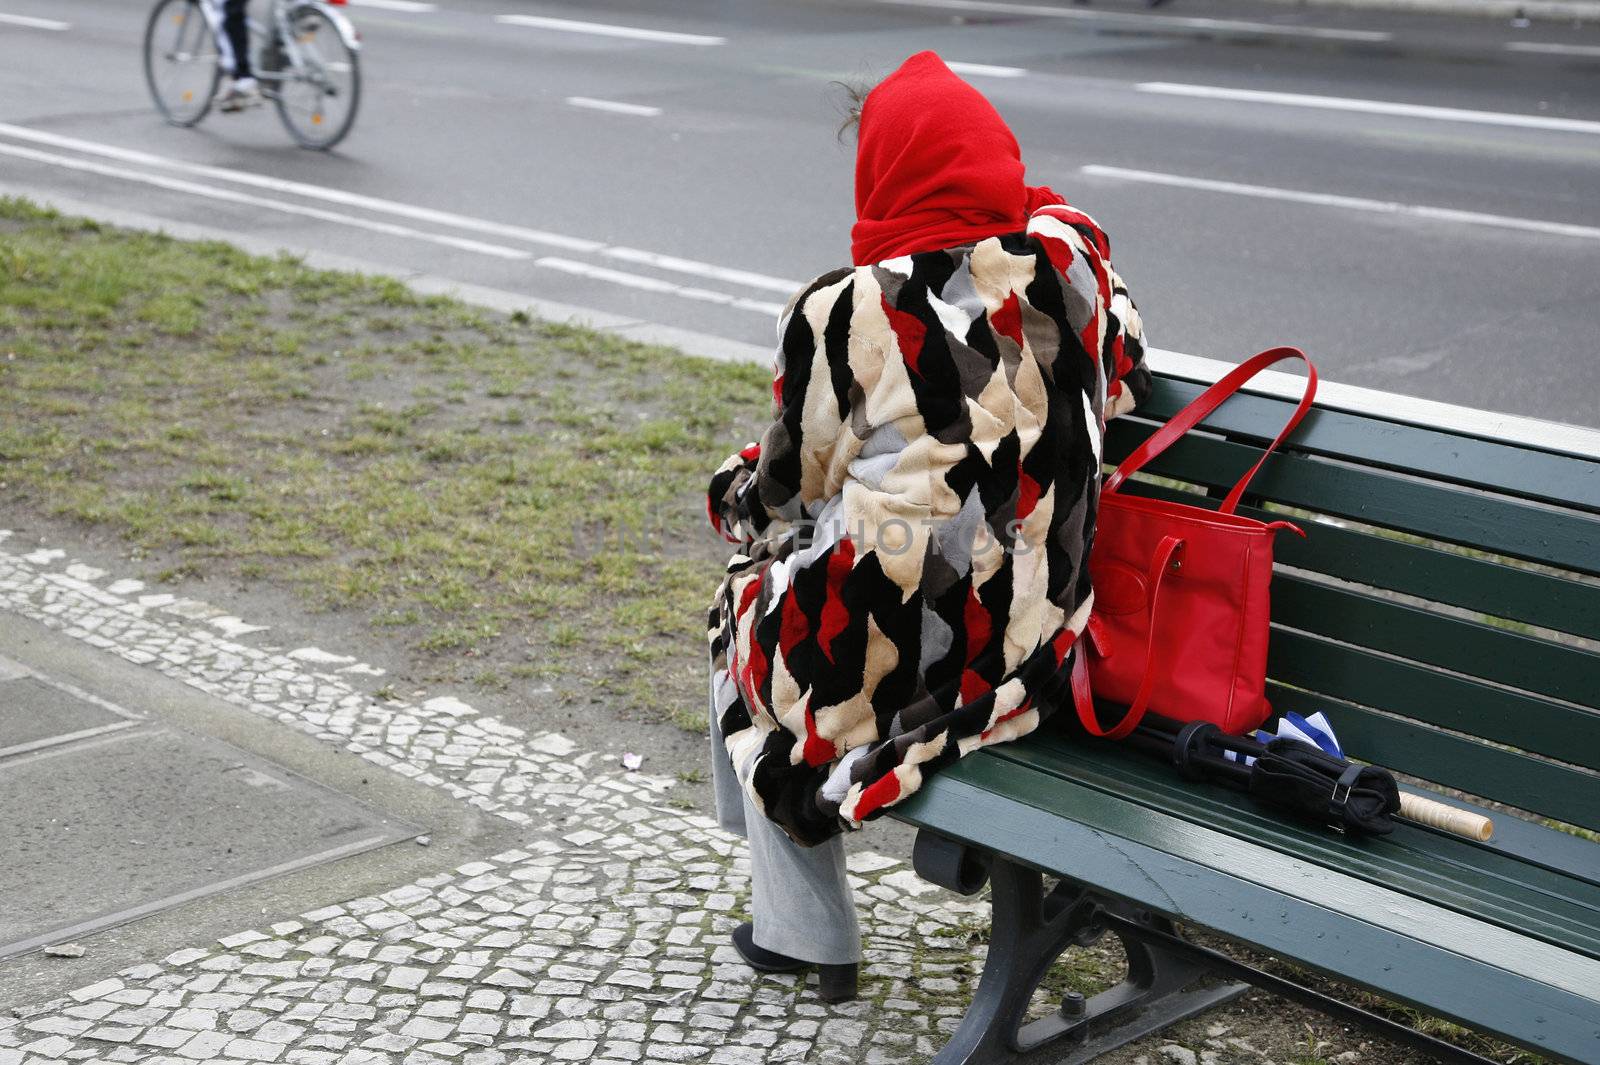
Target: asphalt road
[[1415, 200]]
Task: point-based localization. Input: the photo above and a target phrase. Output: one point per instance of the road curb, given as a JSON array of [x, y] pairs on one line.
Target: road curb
[[1587, 11], [689, 341], [1553, 436]]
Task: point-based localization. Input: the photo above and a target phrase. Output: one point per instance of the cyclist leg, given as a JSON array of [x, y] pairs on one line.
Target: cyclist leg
[[243, 92], [237, 29]]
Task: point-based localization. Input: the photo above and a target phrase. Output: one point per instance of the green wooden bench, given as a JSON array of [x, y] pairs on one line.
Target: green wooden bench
[[1442, 611]]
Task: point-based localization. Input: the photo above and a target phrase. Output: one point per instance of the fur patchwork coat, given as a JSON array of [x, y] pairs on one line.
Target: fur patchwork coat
[[914, 526]]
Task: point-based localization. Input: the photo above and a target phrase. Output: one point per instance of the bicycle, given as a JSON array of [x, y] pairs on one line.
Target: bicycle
[[306, 58]]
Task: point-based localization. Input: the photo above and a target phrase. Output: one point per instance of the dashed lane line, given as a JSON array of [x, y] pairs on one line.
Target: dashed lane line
[[605, 29], [1137, 21], [616, 107], [985, 70], [1371, 107], [655, 284], [1543, 48], [1353, 203], [673, 264], [29, 22]]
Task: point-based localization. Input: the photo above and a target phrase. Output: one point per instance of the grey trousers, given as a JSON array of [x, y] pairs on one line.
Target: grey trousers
[[801, 904]]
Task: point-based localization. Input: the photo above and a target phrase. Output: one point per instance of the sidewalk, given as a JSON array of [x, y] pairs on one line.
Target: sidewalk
[[603, 937]]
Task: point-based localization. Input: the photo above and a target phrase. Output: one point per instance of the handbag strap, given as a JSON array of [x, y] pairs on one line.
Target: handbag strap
[[1207, 402], [1160, 566]]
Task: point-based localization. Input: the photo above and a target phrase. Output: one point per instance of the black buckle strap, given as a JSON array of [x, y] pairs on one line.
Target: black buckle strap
[[1340, 799]]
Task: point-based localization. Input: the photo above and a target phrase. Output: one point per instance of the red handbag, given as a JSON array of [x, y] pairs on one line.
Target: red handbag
[[1181, 611]]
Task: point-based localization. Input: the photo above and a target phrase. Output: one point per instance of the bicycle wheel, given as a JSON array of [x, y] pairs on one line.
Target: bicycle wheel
[[319, 93], [181, 62]]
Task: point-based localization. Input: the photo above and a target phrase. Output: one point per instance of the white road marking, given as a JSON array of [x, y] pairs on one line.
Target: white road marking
[[655, 284], [410, 7], [1371, 107], [1550, 436], [1136, 20], [325, 193], [985, 70], [35, 23], [605, 29], [229, 196], [780, 285], [1353, 203], [329, 194], [614, 106], [1554, 49]]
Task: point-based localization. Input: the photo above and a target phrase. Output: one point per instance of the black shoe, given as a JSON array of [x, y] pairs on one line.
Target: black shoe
[[835, 983]]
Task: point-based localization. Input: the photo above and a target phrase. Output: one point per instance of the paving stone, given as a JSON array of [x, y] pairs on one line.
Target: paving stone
[[423, 1028], [576, 1050], [253, 1050], [93, 991], [205, 1046], [166, 1038], [58, 1025], [200, 1020]]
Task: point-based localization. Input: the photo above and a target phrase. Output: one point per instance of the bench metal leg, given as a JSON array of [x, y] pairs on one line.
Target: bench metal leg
[[1031, 929]]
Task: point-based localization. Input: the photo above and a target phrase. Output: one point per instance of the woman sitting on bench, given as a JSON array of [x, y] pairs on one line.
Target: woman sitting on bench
[[914, 525]]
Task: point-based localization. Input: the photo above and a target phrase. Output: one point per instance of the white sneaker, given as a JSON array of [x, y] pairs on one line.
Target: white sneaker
[[243, 93]]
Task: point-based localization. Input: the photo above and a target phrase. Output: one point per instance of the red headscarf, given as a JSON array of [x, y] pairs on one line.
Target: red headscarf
[[936, 166]]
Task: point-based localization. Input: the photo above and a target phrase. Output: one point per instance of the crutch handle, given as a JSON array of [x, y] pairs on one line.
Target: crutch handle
[[1445, 818]]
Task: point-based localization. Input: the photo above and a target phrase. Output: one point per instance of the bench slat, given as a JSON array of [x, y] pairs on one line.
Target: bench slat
[[1451, 872], [1493, 588], [1464, 646], [1406, 949], [1514, 470], [1527, 722], [1527, 783], [1531, 842], [1535, 532], [1262, 864]]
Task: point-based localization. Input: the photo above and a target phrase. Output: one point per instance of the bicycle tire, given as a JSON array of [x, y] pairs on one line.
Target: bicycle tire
[[319, 140], [207, 88]]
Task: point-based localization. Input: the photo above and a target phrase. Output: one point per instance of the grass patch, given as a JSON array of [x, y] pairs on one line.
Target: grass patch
[[494, 491]]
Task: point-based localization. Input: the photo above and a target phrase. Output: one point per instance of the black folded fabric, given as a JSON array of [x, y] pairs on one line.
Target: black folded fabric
[[1305, 780]]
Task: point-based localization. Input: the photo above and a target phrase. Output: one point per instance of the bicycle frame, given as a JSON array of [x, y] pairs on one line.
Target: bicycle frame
[[213, 16], [279, 15]]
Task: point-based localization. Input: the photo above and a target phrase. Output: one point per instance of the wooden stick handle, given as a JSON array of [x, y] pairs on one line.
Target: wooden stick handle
[[1445, 818]]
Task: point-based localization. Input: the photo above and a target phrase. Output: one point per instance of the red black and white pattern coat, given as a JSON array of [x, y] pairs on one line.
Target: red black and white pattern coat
[[914, 526]]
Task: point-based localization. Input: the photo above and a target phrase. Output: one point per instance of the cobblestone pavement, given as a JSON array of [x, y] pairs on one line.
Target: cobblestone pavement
[[602, 938]]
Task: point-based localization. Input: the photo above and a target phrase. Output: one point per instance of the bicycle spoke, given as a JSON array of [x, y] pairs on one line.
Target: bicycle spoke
[[181, 61]]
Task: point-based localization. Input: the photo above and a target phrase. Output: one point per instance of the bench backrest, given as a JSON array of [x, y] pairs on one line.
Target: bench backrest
[[1444, 607]]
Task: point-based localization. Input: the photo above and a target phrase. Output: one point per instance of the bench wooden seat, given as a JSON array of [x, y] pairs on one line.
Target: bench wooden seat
[[1444, 612]]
